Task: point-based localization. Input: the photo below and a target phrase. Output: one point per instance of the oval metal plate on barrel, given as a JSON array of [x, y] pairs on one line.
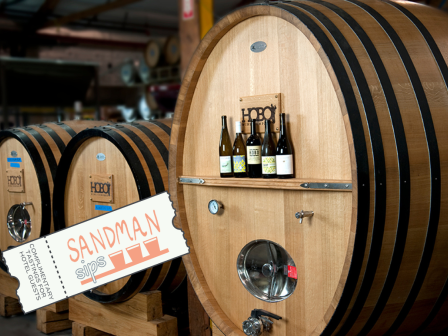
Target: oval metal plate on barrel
[[258, 46]]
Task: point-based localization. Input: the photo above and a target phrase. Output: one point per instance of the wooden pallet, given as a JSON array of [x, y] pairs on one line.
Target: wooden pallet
[[49, 322], [9, 306], [8, 285], [9, 303], [142, 315], [50, 319], [79, 329]]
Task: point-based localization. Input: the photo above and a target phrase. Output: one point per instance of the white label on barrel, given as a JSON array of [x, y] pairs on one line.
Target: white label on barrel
[[100, 157], [96, 252]]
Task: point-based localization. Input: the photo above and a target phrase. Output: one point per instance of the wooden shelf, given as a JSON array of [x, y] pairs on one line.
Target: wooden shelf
[[260, 183]]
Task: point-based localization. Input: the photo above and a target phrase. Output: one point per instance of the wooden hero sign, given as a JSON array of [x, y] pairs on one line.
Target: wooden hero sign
[[101, 188], [261, 108], [14, 180]]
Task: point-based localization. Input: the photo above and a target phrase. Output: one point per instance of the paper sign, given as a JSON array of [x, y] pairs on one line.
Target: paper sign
[[95, 252], [188, 9]]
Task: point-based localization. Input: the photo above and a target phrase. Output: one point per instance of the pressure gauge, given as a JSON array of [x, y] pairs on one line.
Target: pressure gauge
[[214, 207]]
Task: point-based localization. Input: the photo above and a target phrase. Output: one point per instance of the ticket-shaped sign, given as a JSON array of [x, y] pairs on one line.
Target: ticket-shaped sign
[[95, 252]]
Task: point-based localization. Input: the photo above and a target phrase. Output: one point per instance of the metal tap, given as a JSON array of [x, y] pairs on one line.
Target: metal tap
[[300, 215], [258, 322]]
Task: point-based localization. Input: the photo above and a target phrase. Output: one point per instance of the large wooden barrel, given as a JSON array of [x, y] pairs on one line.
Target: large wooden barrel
[[364, 87], [29, 157], [132, 160]]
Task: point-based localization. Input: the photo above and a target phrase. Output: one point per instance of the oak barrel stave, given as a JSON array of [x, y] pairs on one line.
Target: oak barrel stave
[[140, 148], [396, 279]]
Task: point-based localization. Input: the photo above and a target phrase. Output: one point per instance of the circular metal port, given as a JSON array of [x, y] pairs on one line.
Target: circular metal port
[[19, 222], [267, 270]]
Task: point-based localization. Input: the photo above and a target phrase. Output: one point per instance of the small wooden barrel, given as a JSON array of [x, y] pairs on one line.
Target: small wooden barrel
[[166, 53], [171, 50], [153, 52], [29, 157], [364, 88], [133, 159]]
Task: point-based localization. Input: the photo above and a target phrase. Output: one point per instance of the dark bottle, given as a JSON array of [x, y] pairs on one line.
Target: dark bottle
[[239, 153], [268, 152], [253, 144], [225, 151], [284, 157]]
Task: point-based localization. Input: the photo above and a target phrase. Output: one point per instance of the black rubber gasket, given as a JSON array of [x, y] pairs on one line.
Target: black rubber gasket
[[434, 161], [41, 178], [362, 164], [164, 152], [55, 136], [138, 172]]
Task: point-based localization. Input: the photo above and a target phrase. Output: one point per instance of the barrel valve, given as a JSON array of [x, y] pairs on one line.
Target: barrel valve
[[300, 215], [24, 204], [19, 222], [258, 322]]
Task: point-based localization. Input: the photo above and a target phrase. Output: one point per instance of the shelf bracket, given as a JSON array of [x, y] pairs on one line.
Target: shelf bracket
[[191, 180], [345, 186]]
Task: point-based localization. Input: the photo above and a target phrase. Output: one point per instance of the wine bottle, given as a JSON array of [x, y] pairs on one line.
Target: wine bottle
[[268, 152], [253, 144], [239, 153], [284, 156], [225, 151]]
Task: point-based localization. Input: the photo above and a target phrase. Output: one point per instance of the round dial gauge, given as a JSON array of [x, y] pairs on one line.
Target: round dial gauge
[[214, 206]]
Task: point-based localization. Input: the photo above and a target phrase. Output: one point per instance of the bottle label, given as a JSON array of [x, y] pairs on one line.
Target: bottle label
[[239, 163], [226, 165], [268, 164], [284, 164], [253, 154]]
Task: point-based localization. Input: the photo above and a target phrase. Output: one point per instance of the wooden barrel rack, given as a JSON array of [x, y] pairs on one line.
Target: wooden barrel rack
[[364, 85]]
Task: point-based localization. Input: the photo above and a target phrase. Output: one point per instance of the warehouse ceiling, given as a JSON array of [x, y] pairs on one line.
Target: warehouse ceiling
[[152, 17]]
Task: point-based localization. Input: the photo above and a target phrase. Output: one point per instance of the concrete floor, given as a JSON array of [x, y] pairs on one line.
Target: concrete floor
[[24, 325]]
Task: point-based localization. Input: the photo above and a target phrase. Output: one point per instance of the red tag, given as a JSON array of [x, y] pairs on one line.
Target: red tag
[[292, 272], [188, 9]]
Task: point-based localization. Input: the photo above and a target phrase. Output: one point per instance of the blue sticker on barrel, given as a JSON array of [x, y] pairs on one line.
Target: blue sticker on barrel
[[103, 207], [14, 159], [15, 165]]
